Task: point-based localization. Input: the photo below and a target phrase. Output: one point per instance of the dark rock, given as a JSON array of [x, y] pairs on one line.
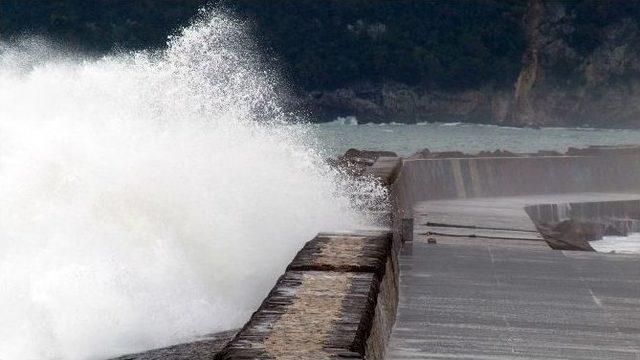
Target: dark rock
[[571, 234], [332, 161], [548, 153], [497, 153], [561, 85], [355, 162], [385, 169], [450, 154], [590, 151], [604, 150], [364, 104], [367, 154], [401, 103], [560, 82], [422, 154]]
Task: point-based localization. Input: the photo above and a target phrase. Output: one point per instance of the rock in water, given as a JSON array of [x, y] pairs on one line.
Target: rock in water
[[572, 234]]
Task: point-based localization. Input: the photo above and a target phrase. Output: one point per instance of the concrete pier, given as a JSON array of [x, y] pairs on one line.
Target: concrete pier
[[459, 178], [337, 299], [498, 301], [479, 282], [474, 279]]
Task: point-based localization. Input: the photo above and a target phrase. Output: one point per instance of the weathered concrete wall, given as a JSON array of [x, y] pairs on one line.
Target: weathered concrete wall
[[338, 298], [428, 179], [616, 217], [585, 211]]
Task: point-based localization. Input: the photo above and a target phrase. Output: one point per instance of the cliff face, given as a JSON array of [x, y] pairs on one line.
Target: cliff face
[[523, 110], [562, 85], [400, 103], [562, 82]]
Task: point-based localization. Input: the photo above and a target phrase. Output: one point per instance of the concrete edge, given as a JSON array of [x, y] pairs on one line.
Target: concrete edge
[[337, 299], [583, 222]]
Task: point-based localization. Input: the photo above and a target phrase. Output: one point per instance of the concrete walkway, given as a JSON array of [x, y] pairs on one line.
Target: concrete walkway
[[514, 302], [492, 289]]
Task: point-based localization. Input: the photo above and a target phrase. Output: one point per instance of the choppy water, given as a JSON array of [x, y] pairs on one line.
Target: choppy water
[[407, 139], [149, 198]]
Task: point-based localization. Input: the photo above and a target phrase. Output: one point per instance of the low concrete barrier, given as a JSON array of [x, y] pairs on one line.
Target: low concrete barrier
[[339, 295], [608, 217], [429, 179], [338, 298], [585, 211]]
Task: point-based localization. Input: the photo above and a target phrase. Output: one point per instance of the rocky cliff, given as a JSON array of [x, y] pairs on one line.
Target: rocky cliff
[[533, 63], [401, 103], [581, 67], [563, 84]]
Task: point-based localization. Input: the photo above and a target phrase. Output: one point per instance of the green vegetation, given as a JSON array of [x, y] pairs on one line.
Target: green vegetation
[[97, 25], [591, 17], [443, 44], [319, 44]]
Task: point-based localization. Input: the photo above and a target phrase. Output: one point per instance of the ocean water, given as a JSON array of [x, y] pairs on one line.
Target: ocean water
[[150, 198], [345, 133]]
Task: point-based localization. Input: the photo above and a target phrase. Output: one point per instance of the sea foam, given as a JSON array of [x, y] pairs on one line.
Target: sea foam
[[148, 198]]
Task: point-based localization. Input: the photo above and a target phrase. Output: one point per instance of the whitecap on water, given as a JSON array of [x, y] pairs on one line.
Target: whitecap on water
[[346, 120]]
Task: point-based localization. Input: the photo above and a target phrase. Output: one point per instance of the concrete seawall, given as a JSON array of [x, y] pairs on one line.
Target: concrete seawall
[[585, 211], [475, 278], [479, 282], [572, 225], [337, 298], [455, 178]]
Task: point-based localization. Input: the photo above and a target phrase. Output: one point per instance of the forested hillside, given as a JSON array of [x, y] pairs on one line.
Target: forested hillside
[[410, 60], [322, 44]]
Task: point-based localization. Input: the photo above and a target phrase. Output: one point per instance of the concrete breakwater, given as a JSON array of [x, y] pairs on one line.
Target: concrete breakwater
[[572, 226], [469, 177], [623, 215], [337, 299], [471, 276], [480, 281]]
